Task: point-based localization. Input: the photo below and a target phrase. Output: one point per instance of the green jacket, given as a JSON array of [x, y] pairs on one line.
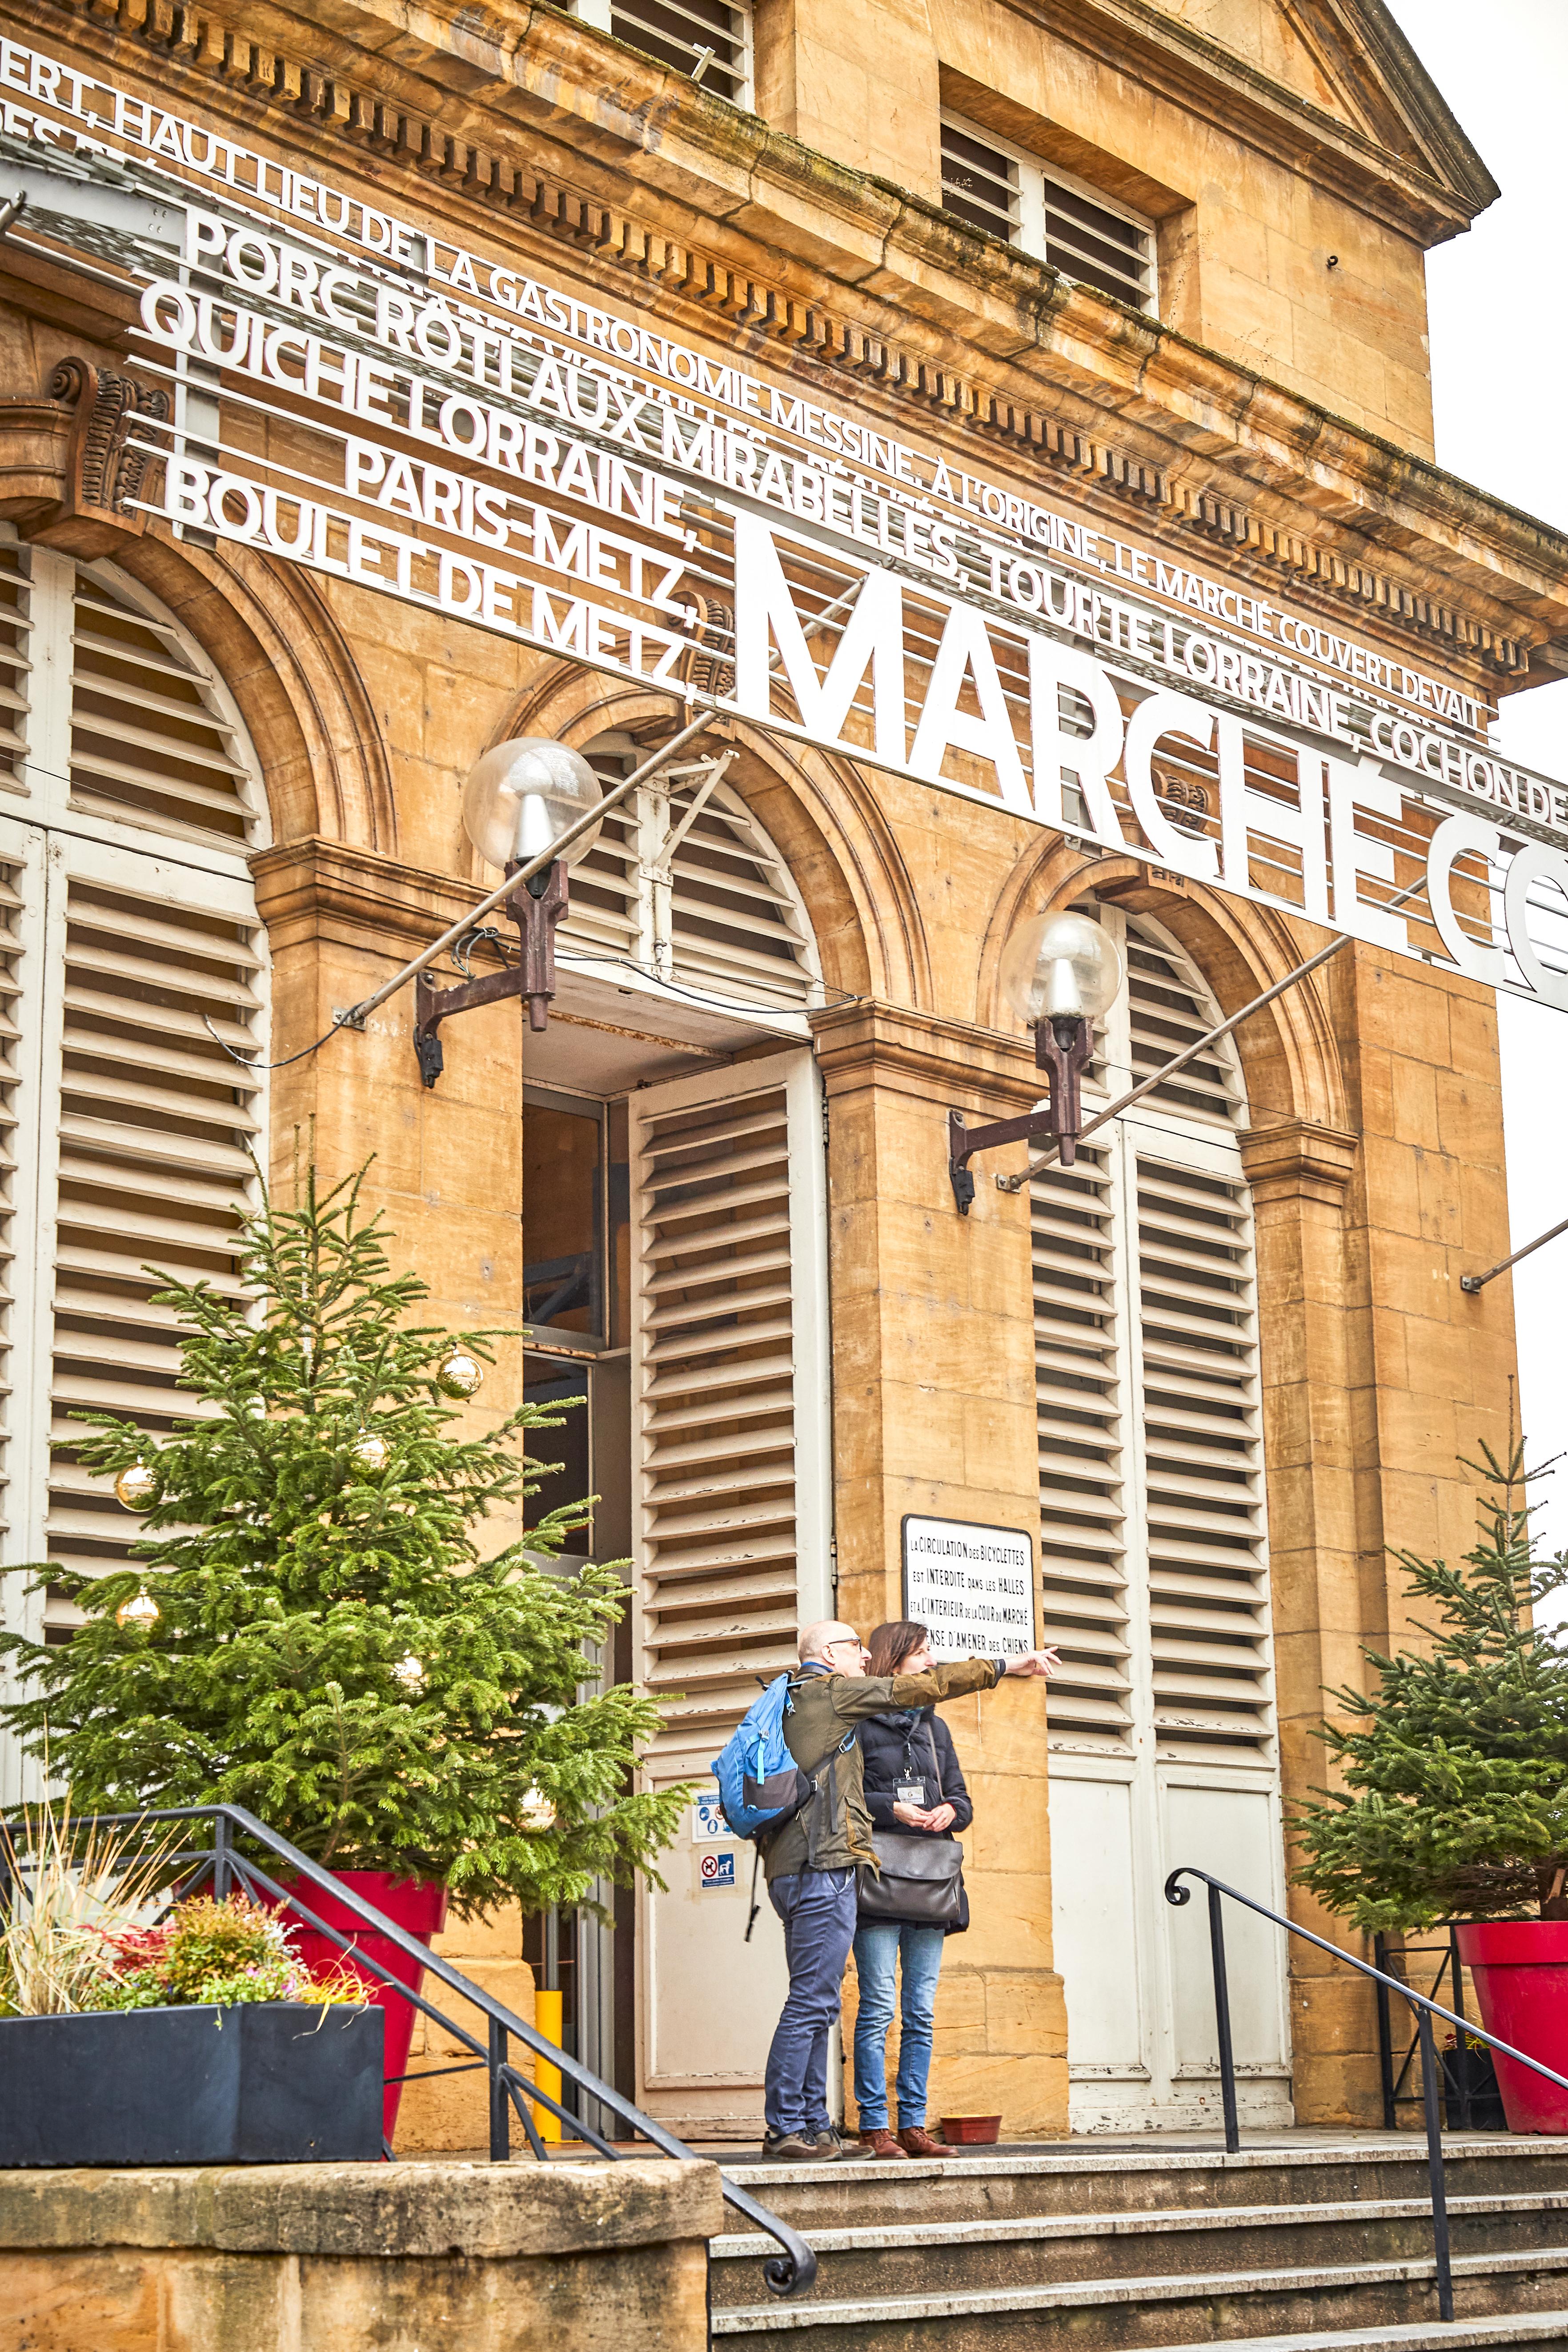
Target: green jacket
[[834, 1831]]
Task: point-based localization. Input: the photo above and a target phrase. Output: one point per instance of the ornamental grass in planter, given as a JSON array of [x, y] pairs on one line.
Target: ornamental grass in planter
[[1453, 1795], [202, 2038], [312, 1628]]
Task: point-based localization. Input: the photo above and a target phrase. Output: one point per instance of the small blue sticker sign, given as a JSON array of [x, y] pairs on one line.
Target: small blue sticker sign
[[717, 1869], [707, 1823]]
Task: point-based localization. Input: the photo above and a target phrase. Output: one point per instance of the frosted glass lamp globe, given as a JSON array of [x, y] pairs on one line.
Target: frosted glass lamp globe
[[1061, 967], [523, 794]]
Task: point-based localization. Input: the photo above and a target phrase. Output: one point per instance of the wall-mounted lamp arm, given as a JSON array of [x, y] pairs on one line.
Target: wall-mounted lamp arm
[[355, 1016], [1474, 1282], [1200, 1044]]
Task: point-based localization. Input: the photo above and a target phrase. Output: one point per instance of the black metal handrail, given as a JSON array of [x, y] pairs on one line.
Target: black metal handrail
[[1426, 2011], [789, 2272]]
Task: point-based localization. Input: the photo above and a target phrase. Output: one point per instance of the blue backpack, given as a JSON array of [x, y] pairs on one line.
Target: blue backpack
[[760, 1786]]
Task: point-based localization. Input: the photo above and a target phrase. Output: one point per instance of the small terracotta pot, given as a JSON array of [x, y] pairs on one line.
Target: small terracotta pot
[[971, 2131]]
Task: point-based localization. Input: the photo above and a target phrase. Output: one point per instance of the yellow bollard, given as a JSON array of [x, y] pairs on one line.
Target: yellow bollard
[[547, 2017]]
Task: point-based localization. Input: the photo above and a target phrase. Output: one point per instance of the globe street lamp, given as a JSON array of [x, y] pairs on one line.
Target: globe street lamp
[[1059, 973], [519, 798]]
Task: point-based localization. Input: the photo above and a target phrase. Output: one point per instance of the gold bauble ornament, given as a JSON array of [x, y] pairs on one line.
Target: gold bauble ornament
[[457, 1375], [409, 1672], [370, 1453], [137, 1487], [140, 1609], [536, 1812]]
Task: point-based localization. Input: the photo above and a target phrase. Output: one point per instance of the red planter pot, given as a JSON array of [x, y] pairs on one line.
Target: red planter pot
[[417, 1908], [1521, 1971]]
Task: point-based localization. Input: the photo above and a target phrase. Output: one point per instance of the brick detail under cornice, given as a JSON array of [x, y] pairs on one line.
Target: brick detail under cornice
[[269, 78]]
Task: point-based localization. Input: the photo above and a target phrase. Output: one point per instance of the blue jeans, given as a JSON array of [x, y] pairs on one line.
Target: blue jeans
[[818, 1907], [878, 1944]]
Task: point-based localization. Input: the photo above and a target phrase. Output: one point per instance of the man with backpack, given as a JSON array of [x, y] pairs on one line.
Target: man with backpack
[[811, 1855]]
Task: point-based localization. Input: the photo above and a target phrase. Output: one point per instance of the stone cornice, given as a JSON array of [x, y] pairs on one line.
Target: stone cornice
[[948, 1063], [314, 888], [1298, 1160], [837, 276]]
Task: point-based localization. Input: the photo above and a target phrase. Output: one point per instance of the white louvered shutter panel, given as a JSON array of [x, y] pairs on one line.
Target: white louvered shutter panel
[[1079, 1338], [1208, 1603], [731, 1521], [719, 919], [1151, 1504], [1153, 1555], [156, 1123], [727, 1321], [16, 629], [142, 796]]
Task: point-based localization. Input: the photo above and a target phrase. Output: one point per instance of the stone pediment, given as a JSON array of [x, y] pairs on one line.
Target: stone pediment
[[1346, 60]]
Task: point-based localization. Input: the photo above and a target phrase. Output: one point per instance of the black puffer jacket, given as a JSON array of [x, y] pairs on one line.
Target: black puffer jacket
[[915, 1745]]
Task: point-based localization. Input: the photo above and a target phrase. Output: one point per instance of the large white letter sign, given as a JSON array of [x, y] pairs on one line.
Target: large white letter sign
[[1301, 825], [873, 640], [1452, 839], [1352, 792], [1158, 716], [1533, 862], [1059, 756], [965, 650]]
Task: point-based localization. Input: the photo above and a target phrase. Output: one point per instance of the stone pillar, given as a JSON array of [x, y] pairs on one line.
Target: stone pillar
[[445, 1164], [1299, 1172], [859, 85], [934, 1412]]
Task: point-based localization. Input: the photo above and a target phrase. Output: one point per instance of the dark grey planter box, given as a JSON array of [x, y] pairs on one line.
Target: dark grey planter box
[[259, 2082]]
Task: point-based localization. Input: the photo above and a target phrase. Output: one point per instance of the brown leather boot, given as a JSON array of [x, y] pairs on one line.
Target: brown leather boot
[[881, 2143], [915, 2140]]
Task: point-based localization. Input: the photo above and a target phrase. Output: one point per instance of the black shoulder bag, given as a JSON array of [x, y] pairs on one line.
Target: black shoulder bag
[[919, 1880]]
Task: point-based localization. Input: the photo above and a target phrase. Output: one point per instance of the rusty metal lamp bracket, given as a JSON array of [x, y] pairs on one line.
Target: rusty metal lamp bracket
[[535, 905], [1063, 1050]]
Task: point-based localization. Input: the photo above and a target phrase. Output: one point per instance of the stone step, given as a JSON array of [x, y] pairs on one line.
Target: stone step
[[854, 2193], [1138, 2315], [1509, 2332], [943, 2256]]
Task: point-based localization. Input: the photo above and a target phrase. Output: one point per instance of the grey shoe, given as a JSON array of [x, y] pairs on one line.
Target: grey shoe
[[798, 2147], [828, 2143]]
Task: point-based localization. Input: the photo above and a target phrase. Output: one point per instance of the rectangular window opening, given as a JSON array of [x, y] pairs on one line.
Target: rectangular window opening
[[1045, 211], [709, 41]]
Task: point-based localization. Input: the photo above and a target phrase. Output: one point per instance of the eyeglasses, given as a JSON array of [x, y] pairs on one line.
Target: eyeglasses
[[846, 1641]]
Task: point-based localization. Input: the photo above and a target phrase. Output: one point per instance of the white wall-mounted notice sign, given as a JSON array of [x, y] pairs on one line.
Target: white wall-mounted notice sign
[[973, 1586]]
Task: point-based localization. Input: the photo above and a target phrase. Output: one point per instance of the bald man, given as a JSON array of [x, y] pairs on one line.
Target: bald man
[[810, 1861]]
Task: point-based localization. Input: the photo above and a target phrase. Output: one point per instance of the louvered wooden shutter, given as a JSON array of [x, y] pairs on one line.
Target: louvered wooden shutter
[[729, 1461], [1201, 1450], [1151, 1504], [731, 1516], [1153, 1560], [156, 1123], [129, 916]]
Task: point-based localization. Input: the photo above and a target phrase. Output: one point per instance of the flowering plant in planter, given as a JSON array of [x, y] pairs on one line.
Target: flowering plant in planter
[[218, 1953]]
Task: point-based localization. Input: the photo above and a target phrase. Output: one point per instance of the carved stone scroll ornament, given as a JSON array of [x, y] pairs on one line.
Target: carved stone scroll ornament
[[103, 475]]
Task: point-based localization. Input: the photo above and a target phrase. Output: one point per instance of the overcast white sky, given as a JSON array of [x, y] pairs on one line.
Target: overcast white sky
[[1500, 367]]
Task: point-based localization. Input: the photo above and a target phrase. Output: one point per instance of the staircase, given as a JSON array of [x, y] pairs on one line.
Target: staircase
[[1317, 2246]]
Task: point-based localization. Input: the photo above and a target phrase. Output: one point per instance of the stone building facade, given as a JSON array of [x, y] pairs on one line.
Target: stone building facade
[[1104, 322]]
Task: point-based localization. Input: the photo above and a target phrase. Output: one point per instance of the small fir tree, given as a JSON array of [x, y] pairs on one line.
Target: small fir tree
[[330, 1649], [1454, 1801]]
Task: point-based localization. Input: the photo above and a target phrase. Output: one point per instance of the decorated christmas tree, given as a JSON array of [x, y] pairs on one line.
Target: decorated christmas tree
[[1454, 1765], [310, 1629]]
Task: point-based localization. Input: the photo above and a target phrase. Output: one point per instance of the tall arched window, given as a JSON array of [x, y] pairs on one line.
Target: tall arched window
[[1155, 1554], [130, 793]]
